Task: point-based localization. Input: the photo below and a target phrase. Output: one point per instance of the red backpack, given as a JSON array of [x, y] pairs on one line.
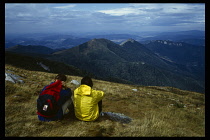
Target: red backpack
[[47, 102]]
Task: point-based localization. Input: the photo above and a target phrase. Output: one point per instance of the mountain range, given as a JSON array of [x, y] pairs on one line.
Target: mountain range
[[130, 62], [65, 41], [193, 37], [135, 63], [52, 41]]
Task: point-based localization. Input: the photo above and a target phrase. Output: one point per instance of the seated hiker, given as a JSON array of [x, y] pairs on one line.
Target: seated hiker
[[87, 102], [54, 100]]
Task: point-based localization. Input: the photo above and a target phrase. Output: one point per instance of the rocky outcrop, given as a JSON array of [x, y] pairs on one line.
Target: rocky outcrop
[[13, 78]]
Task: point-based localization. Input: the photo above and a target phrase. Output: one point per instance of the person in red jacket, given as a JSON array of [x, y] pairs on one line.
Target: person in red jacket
[[64, 100]]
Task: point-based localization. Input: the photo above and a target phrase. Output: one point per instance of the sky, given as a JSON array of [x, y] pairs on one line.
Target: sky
[[106, 17]]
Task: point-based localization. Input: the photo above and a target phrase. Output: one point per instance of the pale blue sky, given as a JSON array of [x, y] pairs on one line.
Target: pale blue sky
[[113, 17]]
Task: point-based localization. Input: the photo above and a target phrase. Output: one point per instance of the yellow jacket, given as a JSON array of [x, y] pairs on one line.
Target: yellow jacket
[[86, 103]]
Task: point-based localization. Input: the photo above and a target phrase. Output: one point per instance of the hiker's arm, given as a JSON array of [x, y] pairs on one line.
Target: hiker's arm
[[67, 92], [99, 96]]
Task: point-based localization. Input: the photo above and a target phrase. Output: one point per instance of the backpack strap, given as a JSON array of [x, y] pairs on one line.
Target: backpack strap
[[50, 103]]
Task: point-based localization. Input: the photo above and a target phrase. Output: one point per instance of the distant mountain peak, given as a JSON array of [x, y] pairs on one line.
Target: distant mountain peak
[[129, 41], [101, 39]]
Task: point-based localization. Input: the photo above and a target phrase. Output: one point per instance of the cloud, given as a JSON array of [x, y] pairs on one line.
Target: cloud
[[129, 17], [65, 6], [19, 12], [160, 14], [121, 11]]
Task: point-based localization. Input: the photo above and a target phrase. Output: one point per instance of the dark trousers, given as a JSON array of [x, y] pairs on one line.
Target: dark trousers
[[100, 106]]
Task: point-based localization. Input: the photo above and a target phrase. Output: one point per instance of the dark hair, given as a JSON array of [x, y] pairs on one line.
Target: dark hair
[[87, 81], [61, 77]]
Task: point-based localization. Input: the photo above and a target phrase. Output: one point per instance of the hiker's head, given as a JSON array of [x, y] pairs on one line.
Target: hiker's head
[[87, 81], [61, 77]]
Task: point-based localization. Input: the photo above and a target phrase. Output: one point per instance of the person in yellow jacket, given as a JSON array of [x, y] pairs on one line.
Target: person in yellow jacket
[[87, 102]]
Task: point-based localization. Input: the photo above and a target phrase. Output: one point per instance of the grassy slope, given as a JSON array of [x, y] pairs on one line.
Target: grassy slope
[[150, 107]]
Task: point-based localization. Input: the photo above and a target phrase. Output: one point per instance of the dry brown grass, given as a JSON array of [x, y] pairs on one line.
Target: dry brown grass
[[156, 111]]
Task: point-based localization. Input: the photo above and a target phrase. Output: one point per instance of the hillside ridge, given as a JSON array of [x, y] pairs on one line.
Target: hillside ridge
[[30, 49], [151, 107], [131, 62], [41, 64]]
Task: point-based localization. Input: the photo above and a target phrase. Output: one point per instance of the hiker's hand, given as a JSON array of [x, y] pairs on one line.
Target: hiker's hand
[[63, 83]]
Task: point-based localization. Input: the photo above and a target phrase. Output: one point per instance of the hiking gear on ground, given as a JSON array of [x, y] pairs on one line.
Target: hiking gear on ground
[[86, 103], [118, 117]]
